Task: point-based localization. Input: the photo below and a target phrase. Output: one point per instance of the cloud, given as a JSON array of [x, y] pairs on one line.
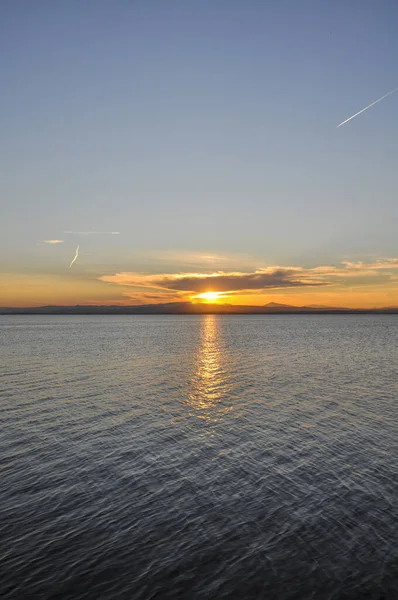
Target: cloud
[[202, 260], [223, 282], [75, 257], [93, 232], [53, 241], [163, 297], [191, 261], [384, 263], [269, 278]]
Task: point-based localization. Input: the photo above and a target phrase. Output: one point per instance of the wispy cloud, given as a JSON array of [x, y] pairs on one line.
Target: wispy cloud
[[383, 263], [191, 261], [75, 257], [93, 232], [160, 298], [201, 259], [53, 241]]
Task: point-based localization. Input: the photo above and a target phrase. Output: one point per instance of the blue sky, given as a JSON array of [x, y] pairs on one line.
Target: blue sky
[[198, 127]]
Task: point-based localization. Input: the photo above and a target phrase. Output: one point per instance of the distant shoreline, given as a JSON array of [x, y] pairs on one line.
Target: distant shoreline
[[192, 309]]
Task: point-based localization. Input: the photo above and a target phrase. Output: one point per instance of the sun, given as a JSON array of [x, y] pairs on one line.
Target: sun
[[209, 296]]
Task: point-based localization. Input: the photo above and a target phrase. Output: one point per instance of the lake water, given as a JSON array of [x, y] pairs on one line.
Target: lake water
[[199, 457]]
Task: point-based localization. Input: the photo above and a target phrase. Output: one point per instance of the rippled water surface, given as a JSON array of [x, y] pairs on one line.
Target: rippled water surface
[[199, 457]]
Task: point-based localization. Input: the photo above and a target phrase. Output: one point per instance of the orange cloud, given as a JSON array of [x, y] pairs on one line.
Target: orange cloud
[[220, 281], [269, 278], [385, 263]]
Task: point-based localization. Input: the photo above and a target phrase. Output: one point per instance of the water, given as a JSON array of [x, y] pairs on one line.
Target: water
[[199, 457]]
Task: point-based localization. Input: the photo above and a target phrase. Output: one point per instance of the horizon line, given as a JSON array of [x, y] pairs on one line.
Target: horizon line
[[181, 308]]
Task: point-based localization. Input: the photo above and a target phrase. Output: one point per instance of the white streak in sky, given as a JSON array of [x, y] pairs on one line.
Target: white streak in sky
[[94, 232], [76, 255], [53, 241], [366, 107]]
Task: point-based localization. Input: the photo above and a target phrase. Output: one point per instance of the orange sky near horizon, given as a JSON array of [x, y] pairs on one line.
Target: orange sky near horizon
[[350, 284]]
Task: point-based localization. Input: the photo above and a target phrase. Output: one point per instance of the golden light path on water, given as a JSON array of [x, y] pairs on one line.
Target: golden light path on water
[[210, 381]]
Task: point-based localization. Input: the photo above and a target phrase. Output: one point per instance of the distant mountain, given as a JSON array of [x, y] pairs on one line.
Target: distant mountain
[[393, 308], [277, 305], [321, 306], [187, 308]]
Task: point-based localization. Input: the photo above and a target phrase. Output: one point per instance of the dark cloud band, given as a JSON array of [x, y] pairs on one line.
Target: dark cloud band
[[245, 281]]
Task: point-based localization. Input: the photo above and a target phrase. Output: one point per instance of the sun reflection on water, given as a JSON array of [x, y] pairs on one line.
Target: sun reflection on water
[[209, 382]]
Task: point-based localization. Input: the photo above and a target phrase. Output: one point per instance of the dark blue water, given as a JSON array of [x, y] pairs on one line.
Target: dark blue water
[[199, 457]]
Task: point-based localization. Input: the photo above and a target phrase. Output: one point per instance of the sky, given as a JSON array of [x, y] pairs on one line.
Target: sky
[[192, 147]]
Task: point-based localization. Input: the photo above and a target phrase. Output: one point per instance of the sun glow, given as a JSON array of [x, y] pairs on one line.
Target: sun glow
[[209, 296]]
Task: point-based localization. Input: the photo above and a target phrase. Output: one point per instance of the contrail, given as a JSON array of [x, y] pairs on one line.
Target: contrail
[[76, 255], [366, 107], [94, 232]]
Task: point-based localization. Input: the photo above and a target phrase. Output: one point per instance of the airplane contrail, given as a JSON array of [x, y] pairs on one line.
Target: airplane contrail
[[94, 232], [366, 107], [76, 255]]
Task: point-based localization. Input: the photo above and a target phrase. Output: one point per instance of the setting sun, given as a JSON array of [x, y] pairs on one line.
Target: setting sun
[[209, 296]]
